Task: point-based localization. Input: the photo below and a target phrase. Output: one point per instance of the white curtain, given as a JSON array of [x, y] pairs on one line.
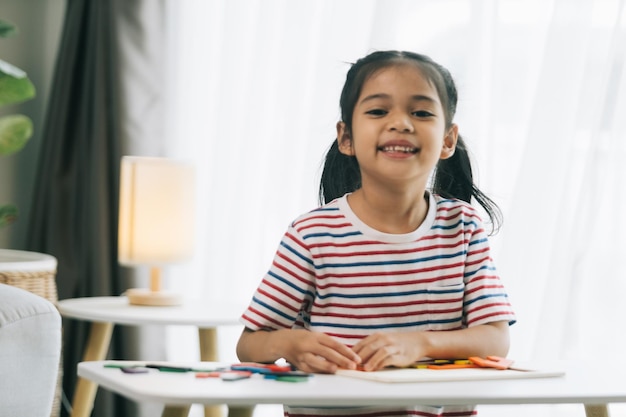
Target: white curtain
[[253, 98]]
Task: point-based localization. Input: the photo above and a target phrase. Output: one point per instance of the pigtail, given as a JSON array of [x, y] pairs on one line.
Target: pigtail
[[340, 175], [453, 178]]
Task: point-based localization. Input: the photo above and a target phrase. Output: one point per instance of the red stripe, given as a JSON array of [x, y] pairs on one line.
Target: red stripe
[[437, 268], [348, 336], [389, 252], [481, 287], [487, 316], [249, 320], [326, 225], [444, 235], [376, 242], [471, 262], [282, 291], [387, 305], [414, 314], [264, 316], [297, 241], [260, 325], [461, 213], [482, 307], [369, 284], [291, 272], [477, 252], [318, 216], [344, 244], [279, 301]]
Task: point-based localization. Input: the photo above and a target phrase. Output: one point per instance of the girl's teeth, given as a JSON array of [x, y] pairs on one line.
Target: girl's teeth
[[396, 148]]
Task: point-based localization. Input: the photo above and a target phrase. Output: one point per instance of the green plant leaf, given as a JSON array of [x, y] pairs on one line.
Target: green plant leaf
[[8, 214], [7, 29], [15, 86], [15, 130]]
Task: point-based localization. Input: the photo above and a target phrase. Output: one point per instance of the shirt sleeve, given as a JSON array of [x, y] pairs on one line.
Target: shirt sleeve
[[485, 298], [283, 297]]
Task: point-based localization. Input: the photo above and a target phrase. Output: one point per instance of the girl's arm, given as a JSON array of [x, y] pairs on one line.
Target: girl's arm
[[307, 351], [401, 349]]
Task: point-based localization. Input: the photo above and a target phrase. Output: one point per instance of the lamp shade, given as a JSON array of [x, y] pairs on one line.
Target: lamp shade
[[156, 211]]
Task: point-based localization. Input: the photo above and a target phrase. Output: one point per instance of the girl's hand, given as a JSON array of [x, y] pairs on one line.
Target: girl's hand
[[402, 349], [380, 350], [315, 352]]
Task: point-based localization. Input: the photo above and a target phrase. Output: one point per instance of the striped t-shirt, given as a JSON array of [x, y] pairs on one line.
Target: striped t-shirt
[[334, 274]]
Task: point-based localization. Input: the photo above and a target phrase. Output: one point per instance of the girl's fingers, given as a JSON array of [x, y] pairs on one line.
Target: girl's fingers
[[320, 364], [378, 351], [317, 352], [341, 354], [331, 359], [327, 355], [382, 358], [368, 347]]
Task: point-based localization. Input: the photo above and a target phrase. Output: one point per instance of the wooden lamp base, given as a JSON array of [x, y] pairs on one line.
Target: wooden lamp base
[[146, 297], [153, 296]]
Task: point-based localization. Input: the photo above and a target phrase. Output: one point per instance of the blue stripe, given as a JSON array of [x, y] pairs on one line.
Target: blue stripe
[[483, 297], [376, 295], [389, 294], [274, 310], [289, 283], [443, 290], [455, 225], [386, 325], [295, 252], [333, 235], [324, 208], [482, 268], [399, 262], [445, 200], [479, 241]]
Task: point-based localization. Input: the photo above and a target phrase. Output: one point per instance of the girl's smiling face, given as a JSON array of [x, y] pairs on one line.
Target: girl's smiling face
[[399, 131]]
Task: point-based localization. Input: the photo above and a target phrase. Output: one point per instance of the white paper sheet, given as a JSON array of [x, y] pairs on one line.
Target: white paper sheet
[[467, 374]]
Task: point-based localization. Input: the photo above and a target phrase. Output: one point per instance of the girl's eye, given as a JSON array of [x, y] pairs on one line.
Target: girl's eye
[[423, 113], [376, 112]]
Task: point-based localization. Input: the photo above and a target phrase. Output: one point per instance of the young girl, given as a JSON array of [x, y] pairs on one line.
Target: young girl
[[394, 267]]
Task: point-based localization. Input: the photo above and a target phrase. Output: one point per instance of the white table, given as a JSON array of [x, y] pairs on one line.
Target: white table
[[105, 312], [584, 383]]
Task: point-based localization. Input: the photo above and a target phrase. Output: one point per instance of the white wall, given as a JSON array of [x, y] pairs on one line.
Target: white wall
[[33, 50]]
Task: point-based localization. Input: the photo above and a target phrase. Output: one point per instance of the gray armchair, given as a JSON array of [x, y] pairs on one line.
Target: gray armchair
[[30, 349]]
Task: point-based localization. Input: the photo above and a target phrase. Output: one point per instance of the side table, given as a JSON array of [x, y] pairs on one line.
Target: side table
[[105, 312]]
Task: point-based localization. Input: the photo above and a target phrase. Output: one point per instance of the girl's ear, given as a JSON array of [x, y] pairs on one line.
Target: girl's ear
[[449, 142], [344, 140]]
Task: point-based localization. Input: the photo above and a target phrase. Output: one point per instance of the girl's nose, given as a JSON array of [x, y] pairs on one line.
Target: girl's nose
[[400, 123]]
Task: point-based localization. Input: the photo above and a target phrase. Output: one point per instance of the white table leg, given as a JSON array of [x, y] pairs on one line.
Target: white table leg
[[208, 352], [596, 410], [96, 350]]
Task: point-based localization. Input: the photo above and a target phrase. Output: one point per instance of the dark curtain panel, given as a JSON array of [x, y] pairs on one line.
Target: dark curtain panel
[[74, 213]]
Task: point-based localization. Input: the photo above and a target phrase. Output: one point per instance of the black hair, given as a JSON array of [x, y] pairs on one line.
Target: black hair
[[452, 177]]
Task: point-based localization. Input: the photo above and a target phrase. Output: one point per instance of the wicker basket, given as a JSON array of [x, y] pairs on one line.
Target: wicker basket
[[34, 272]]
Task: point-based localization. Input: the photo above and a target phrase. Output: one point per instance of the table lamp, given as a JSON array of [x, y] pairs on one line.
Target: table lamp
[[155, 221]]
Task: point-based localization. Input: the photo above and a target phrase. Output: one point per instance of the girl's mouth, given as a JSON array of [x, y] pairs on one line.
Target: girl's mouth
[[398, 149]]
